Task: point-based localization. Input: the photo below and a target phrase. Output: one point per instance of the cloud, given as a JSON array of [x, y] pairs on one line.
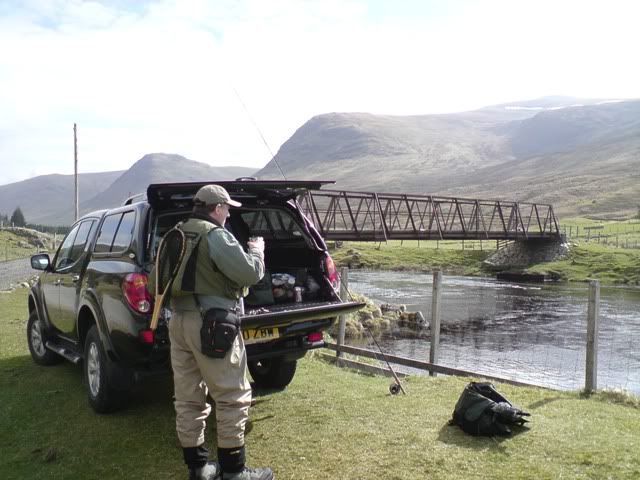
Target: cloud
[[141, 77]]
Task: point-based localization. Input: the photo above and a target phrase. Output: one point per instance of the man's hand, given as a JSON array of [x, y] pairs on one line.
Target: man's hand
[[256, 243]]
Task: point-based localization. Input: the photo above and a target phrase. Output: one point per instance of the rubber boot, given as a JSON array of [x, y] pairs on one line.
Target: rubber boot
[[209, 471], [249, 474], [199, 467], [233, 467]]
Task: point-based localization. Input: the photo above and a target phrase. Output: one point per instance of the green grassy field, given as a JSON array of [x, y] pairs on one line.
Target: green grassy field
[[613, 233], [593, 261], [329, 424], [414, 255], [10, 247], [597, 254]]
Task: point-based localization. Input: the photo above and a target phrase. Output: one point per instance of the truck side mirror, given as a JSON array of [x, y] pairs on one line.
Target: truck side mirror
[[40, 261]]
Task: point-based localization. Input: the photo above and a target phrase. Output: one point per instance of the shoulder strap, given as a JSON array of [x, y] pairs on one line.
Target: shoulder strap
[[189, 277]]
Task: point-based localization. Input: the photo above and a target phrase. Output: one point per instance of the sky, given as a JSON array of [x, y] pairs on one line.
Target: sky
[[210, 79]]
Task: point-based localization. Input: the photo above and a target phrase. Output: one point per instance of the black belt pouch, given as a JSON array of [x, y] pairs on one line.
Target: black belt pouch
[[219, 330]]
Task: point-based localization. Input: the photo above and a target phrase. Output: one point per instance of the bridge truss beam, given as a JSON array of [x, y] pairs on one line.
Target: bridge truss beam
[[370, 216]]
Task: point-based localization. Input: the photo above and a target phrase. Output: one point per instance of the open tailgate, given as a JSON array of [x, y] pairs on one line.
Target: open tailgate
[[290, 313]]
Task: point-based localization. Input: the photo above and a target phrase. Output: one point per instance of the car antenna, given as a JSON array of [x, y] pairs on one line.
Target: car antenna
[[273, 157]]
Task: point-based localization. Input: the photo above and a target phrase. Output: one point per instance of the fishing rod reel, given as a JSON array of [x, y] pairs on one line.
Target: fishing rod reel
[[394, 388]]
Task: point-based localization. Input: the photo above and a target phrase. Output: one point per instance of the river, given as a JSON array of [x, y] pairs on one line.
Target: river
[[533, 333]]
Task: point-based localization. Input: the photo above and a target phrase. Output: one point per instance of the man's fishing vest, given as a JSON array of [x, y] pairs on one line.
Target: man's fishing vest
[[198, 274]]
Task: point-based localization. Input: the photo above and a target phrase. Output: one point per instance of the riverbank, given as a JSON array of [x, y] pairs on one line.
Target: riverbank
[[412, 255], [329, 423], [586, 260], [610, 265]]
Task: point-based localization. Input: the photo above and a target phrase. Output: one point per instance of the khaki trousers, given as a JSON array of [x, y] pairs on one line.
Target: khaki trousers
[[195, 374]]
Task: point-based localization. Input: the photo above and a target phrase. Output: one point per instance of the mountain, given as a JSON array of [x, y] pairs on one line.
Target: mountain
[[581, 155], [160, 168], [48, 199], [43, 197]]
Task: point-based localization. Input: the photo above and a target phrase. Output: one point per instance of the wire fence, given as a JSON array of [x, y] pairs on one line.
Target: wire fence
[[534, 333], [619, 234]]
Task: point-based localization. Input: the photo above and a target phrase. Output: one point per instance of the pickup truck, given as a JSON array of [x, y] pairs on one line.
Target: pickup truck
[[91, 305]]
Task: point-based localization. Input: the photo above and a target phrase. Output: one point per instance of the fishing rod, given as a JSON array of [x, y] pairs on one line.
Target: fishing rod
[[395, 387], [255, 125]]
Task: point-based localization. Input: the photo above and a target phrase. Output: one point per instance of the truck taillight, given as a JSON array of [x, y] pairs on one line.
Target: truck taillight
[[314, 337], [332, 273], [134, 287]]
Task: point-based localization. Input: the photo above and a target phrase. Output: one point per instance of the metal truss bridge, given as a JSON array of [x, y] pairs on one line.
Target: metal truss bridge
[[375, 217]]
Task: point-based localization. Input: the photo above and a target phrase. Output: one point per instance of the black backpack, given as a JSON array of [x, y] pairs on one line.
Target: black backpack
[[481, 410]]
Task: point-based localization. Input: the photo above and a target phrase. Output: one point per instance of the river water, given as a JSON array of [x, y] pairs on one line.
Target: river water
[[534, 333]]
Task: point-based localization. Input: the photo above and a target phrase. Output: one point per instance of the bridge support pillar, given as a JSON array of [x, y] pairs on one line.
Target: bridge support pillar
[[524, 253]]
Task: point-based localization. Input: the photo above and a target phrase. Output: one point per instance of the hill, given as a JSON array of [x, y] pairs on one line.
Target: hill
[[48, 199], [44, 197], [583, 156], [160, 168]]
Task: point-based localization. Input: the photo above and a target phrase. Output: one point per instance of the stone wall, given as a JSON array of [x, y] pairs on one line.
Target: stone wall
[[523, 253]]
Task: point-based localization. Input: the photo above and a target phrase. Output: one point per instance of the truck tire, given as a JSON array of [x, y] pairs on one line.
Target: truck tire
[[103, 398], [275, 372], [36, 338]]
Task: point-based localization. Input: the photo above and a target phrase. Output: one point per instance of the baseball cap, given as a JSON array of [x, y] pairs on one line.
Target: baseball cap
[[214, 194]]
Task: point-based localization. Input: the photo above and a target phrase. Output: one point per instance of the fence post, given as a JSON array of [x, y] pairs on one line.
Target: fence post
[[435, 319], [593, 314], [344, 288]]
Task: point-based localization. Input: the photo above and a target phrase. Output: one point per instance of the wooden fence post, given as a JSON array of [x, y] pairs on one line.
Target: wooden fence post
[[593, 314], [344, 288], [435, 319]]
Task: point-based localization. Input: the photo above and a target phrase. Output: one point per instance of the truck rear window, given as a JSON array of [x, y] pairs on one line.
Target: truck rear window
[[272, 224]]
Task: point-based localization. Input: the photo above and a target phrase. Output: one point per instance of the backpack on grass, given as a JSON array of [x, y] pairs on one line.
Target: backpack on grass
[[481, 410]]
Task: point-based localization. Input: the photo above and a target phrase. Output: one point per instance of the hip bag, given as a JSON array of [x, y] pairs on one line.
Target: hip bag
[[219, 330]]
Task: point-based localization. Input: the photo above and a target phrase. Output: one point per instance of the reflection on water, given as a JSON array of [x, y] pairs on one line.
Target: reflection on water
[[528, 332]]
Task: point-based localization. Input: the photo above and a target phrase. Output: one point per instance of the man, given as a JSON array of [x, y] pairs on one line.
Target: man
[[214, 274]]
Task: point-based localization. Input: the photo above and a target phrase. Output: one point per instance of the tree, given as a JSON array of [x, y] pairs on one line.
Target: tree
[[17, 218]]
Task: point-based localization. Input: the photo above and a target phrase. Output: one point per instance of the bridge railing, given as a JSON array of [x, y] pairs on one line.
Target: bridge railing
[[371, 216]]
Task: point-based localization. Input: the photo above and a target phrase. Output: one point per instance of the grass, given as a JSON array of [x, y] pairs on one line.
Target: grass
[[593, 261], [414, 255], [587, 260], [10, 248], [329, 424], [610, 232]]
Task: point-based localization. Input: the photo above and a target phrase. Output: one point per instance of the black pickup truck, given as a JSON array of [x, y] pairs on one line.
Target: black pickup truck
[[91, 304]]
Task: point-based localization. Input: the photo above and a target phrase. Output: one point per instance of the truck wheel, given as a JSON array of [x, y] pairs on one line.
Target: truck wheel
[[36, 339], [273, 372], [103, 398]]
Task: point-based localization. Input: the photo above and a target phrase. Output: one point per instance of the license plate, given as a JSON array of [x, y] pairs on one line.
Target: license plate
[[257, 335]]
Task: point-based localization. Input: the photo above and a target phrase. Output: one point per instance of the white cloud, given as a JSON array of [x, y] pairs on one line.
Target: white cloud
[[160, 76]]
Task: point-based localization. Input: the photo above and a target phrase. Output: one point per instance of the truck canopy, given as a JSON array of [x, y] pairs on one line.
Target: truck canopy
[[171, 195]]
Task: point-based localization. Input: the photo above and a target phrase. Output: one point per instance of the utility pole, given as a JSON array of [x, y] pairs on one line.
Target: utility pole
[[75, 170]]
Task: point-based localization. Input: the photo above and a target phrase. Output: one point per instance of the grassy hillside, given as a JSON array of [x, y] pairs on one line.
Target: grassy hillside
[[584, 160], [329, 424], [42, 198], [13, 246]]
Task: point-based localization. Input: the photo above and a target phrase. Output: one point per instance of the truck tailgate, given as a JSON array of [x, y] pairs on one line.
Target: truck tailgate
[[290, 313]]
